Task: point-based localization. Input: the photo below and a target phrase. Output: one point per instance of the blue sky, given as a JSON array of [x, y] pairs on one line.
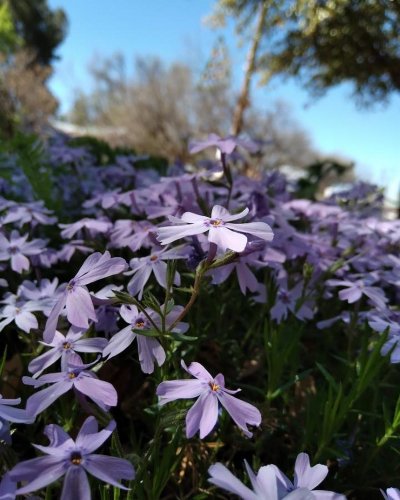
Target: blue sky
[[174, 30]]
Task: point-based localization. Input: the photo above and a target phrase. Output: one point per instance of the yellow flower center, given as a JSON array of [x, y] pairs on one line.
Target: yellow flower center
[[214, 386], [76, 458], [67, 346], [71, 375], [216, 222]]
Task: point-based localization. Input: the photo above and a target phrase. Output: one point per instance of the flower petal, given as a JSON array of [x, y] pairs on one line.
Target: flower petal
[[197, 370], [44, 398], [26, 321], [241, 412], [90, 441], [306, 476], [258, 229], [51, 323], [149, 350], [80, 307], [203, 415], [224, 238], [109, 469], [168, 234], [222, 477], [39, 472], [179, 389], [76, 484], [119, 342], [97, 389]]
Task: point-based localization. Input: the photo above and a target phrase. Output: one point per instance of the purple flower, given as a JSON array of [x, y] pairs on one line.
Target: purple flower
[[221, 230], [69, 249], [73, 458], [76, 296], [76, 377], [225, 145], [32, 213], [17, 248], [132, 234], [270, 483], [287, 300], [203, 415], [149, 348], [62, 347], [355, 289], [94, 226], [21, 313], [142, 268], [44, 294]]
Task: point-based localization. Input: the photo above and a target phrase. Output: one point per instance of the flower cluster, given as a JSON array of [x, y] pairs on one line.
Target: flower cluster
[[233, 274]]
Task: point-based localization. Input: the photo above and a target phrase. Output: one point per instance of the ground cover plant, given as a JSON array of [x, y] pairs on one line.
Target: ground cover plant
[[173, 331]]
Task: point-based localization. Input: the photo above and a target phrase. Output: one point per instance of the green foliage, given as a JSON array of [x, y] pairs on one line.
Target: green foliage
[[40, 28], [9, 39], [30, 157]]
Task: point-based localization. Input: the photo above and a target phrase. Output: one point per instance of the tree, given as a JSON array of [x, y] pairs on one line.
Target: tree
[[40, 28], [332, 41], [323, 42], [29, 35], [162, 107]]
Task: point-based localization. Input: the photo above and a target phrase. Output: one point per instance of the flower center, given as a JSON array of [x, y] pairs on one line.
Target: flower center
[[154, 258], [13, 250], [70, 286], [214, 387], [71, 375], [67, 346], [216, 222], [140, 323], [76, 458]]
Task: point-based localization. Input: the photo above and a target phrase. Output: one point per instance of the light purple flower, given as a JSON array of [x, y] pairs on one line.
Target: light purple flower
[[73, 458], [225, 145], [270, 483], [21, 313], [33, 213], [94, 226], [44, 293], [287, 300], [69, 249], [142, 268], [75, 377], [17, 248], [149, 348], [76, 297], [210, 391], [132, 234], [221, 230], [62, 347], [354, 290]]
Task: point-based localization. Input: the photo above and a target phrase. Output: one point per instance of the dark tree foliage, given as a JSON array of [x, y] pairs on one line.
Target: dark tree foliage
[[40, 28], [334, 41], [325, 42]]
